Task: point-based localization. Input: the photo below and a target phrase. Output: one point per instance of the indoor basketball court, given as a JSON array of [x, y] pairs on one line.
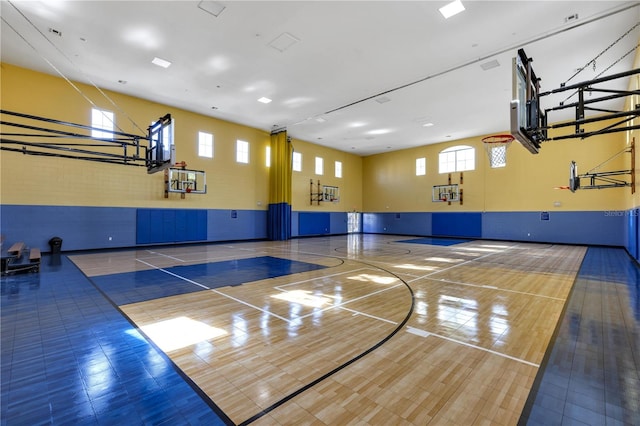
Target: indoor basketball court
[[320, 213], [300, 330]]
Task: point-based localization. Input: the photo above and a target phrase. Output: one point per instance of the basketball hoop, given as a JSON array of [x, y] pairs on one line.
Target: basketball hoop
[[496, 148]]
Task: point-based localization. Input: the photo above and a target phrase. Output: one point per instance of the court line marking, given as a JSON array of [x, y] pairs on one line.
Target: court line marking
[[423, 333], [174, 275], [367, 315], [490, 287], [278, 287], [253, 306], [216, 291], [352, 300], [165, 255]]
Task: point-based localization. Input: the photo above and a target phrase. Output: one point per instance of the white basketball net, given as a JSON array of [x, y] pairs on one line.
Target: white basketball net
[[496, 148]]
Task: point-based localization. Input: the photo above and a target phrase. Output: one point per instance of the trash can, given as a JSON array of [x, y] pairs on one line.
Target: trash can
[[56, 244]]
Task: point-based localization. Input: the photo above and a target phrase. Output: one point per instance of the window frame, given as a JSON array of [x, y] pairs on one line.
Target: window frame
[[202, 144], [242, 151], [452, 158]]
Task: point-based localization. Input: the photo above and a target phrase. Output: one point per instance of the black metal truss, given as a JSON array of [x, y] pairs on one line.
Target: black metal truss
[[583, 105], [70, 140]]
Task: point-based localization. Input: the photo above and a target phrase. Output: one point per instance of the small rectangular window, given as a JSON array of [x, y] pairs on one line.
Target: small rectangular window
[[242, 151], [338, 169], [297, 162], [421, 166], [103, 124], [268, 161], [319, 166], [205, 145]]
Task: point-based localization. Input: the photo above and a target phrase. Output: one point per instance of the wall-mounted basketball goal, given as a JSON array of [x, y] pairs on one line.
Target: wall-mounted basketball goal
[[184, 181]]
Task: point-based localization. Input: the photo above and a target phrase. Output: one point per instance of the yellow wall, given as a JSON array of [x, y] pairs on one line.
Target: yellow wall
[[350, 184], [378, 183], [526, 184], [34, 180]]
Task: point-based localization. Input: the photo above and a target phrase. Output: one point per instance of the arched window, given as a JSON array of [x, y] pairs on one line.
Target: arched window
[[457, 159]]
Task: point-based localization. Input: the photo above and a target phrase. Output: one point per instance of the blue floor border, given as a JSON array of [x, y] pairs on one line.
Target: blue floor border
[[69, 356], [591, 371]]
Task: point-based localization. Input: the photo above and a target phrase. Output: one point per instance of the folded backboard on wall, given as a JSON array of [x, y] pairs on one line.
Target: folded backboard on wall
[[445, 193]]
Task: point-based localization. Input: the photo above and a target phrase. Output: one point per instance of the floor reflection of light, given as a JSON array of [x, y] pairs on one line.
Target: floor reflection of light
[[421, 308], [443, 259], [495, 246], [499, 322], [99, 377], [303, 297], [417, 267], [480, 249], [264, 321], [460, 312], [239, 331], [378, 279], [180, 332]]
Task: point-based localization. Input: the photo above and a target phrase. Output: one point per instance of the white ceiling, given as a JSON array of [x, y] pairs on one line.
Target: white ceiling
[[326, 86]]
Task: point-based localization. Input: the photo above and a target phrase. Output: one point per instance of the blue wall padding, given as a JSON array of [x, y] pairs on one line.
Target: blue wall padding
[[159, 226], [338, 223], [457, 224], [312, 223], [79, 227], [581, 227], [279, 222], [632, 231], [578, 227], [397, 223], [85, 228]]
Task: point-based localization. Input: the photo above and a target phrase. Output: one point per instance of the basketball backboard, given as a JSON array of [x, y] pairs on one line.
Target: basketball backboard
[[161, 152], [574, 179], [186, 181], [528, 122]]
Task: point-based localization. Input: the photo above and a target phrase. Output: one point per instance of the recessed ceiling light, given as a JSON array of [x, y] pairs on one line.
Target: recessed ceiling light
[[321, 120], [451, 9], [379, 131], [264, 100], [161, 62], [382, 99], [427, 125]]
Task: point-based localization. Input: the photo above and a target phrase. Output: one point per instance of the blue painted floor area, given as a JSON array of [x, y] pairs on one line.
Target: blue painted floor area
[[592, 374], [140, 286], [68, 356], [434, 241]]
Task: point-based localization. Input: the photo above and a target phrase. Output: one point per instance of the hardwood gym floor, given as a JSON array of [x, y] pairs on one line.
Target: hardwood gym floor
[[359, 329]]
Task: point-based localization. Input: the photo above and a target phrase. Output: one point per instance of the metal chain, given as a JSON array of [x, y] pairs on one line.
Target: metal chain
[[601, 53]]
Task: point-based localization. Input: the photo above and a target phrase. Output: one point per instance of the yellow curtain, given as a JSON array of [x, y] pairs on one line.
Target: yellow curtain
[[279, 215], [280, 171]]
